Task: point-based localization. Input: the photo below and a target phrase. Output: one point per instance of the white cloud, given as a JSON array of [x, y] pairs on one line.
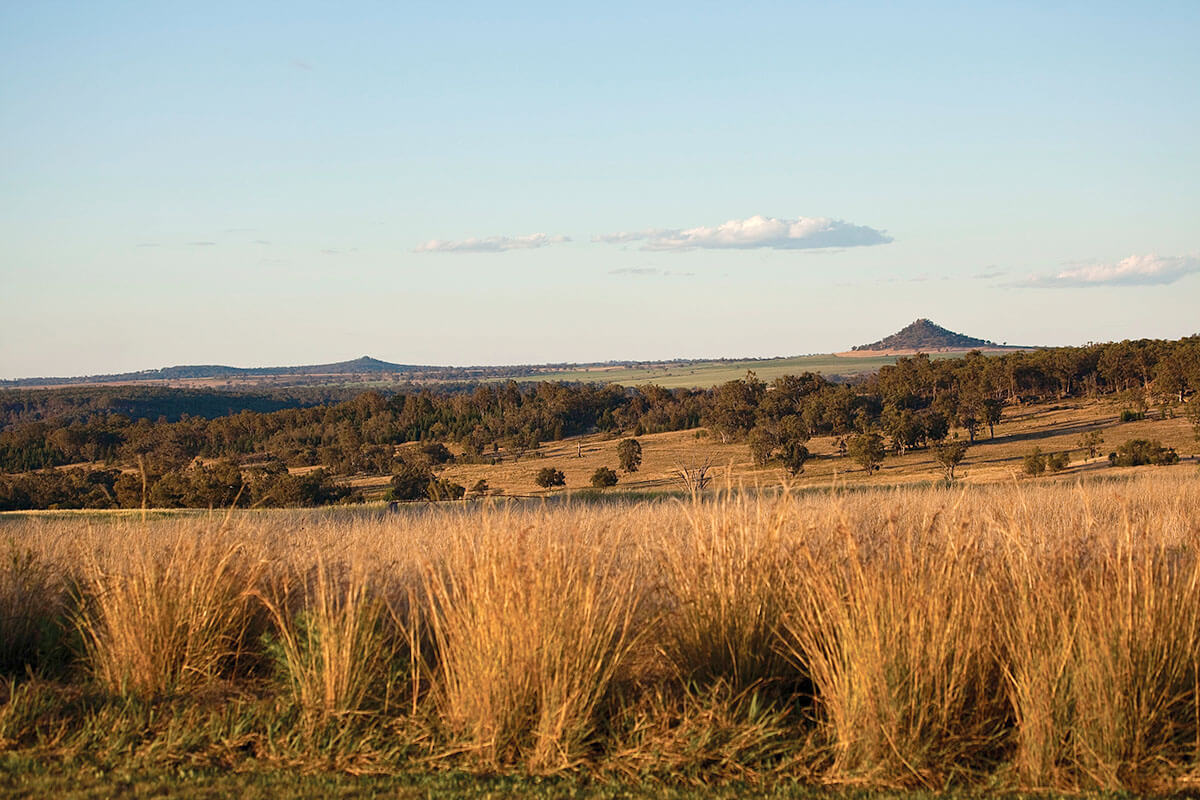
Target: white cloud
[[490, 244], [803, 233], [1148, 270]]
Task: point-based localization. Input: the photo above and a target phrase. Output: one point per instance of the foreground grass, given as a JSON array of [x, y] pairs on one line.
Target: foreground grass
[[983, 639], [22, 777]]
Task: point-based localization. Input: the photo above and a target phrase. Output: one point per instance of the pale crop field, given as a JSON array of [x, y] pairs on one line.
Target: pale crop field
[[1009, 636]]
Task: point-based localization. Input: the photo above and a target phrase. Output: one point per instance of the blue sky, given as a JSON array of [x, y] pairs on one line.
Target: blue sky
[[441, 183]]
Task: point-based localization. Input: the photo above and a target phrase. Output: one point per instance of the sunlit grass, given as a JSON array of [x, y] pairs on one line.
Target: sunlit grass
[[1019, 636]]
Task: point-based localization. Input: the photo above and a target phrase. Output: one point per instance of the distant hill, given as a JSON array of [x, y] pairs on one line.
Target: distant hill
[[926, 336], [359, 366]]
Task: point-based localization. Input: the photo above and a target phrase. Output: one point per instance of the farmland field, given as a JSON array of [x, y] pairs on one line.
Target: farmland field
[[712, 373], [1051, 427], [1033, 634]]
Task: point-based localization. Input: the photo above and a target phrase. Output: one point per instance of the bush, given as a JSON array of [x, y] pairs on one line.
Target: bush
[[445, 489], [629, 454], [410, 482], [949, 456], [437, 453], [1129, 415], [549, 477], [1035, 462], [480, 487], [1091, 442], [762, 446], [604, 477], [1058, 461], [1136, 452], [867, 450]]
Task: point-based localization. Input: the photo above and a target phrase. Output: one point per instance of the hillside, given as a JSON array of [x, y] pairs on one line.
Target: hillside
[[925, 335], [194, 372]]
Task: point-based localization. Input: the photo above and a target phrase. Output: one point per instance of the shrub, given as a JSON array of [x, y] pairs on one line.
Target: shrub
[[1091, 442], [867, 450], [1035, 462], [445, 489], [1057, 462], [549, 477], [437, 453], [410, 482], [603, 477], [629, 454], [762, 446], [793, 455], [480, 487], [950, 456], [1129, 415], [1136, 452]]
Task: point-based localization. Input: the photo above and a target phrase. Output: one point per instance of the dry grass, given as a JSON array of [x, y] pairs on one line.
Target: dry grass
[[1030, 635], [1052, 427], [333, 642], [33, 606], [168, 616], [898, 635], [530, 625]]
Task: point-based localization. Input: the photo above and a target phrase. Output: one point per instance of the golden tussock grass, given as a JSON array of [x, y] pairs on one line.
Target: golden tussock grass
[[169, 614], [1020, 636]]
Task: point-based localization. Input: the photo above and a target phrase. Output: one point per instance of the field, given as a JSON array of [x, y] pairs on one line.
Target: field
[[1005, 636], [713, 373], [1053, 428]]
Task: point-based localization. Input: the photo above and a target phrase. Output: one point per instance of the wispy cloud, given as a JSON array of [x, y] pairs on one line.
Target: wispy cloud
[[803, 233], [647, 271], [490, 244], [202, 244], [989, 274], [1146, 270]]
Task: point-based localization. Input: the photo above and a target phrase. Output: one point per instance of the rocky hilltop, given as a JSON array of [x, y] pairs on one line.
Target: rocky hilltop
[[924, 335]]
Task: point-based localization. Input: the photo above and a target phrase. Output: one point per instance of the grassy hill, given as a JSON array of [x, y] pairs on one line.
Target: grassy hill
[[923, 335]]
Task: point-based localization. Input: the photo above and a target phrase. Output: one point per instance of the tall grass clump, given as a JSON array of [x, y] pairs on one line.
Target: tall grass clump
[[1105, 648], [33, 609], [333, 641], [170, 613], [530, 621], [724, 585], [896, 627]]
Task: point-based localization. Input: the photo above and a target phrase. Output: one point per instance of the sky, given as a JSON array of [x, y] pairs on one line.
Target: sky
[[495, 183]]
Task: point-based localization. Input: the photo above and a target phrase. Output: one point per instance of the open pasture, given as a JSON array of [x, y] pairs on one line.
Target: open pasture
[[703, 374], [1051, 427], [1003, 636]]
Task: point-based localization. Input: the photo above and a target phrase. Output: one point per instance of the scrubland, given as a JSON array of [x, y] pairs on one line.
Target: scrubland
[[1011, 636]]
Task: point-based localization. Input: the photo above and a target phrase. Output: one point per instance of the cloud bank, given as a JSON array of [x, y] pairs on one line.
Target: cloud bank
[[490, 244], [803, 233], [1147, 270]]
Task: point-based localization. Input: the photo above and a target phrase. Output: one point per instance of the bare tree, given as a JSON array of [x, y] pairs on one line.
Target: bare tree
[[694, 477]]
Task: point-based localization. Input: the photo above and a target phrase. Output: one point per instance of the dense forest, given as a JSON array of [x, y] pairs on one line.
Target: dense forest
[[191, 447]]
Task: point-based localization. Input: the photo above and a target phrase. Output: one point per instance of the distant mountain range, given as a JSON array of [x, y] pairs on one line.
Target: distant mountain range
[[925, 336], [197, 372]]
